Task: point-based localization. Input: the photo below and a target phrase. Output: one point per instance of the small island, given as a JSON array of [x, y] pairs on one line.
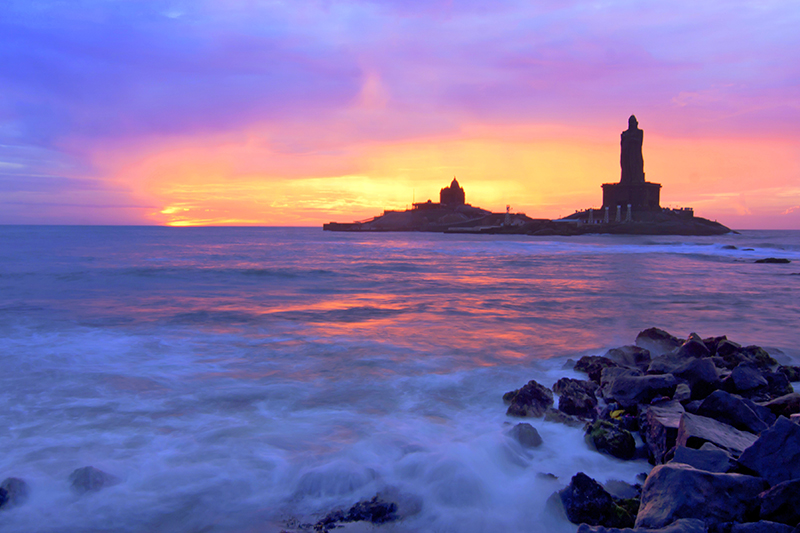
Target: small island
[[630, 207]]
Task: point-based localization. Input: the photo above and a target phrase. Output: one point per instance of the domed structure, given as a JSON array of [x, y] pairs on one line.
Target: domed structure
[[452, 195]]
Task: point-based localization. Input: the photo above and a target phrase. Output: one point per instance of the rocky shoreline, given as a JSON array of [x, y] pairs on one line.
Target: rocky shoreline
[[718, 420]]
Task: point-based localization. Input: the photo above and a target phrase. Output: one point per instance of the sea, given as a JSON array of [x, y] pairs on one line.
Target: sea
[[255, 379]]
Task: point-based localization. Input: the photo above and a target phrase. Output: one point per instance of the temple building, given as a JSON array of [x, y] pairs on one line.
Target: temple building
[[452, 195], [632, 190]]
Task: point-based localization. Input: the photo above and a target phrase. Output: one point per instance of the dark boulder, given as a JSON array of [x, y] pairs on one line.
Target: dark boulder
[[759, 356], [576, 397], [683, 393], [708, 458], [684, 525], [659, 428], [554, 415], [607, 438], [594, 365], [785, 405], [694, 430], [732, 410], [775, 455], [731, 354], [90, 479], [376, 511], [712, 343], [775, 260], [630, 356], [694, 347], [667, 363], [673, 491], [781, 503], [792, 373], [531, 400], [701, 375], [629, 390], [608, 375], [586, 502], [526, 435], [745, 379], [777, 384], [657, 341], [13, 492]]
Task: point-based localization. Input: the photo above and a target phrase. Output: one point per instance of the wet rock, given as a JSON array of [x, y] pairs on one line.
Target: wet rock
[[710, 460], [13, 492], [91, 479], [775, 455], [684, 525], [594, 365], [712, 343], [554, 415], [621, 490], [759, 356], [746, 380], [376, 511], [781, 503], [586, 502], [576, 397], [659, 428], [531, 400], [630, 356], [701, 375], [673, 491], [775, 260], [731, 410], [682, 393], [693, 347], [657, 341], [666, 364], [632, 390], [731, 354], [777, 384], [785, 405], [792, 373], [608, 375], [761, 527], [607, 438], [694, 430], [526, 435]]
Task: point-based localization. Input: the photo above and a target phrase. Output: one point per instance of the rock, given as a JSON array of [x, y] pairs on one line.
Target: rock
[[526, 435], [710, 460], [659, 428], [781, 503], [701, 375], [673, 491], [761, 527], [777, 260], [621, 490], [375, 511], [554, 415], [777, 384], [785, 405], [657, 341], [684, 525], [775, 455], [759, 356], [682, 393], [632, 390], [694, 430], [731, 410], [731, 353], [13, 492], [746, 380], [594, 365], [608, 375], [586, 502], [712, 343], [792, 373], [630, 356], [576, 397], [91, 479], [531, 400], [694, 347], [607, 438], [666, 364]]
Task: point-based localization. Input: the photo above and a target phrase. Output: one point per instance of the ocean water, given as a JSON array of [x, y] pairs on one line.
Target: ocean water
[[252, 379]]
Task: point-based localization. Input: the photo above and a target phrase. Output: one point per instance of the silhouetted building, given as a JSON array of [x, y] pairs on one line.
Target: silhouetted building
[[632, 189], [452, 195]]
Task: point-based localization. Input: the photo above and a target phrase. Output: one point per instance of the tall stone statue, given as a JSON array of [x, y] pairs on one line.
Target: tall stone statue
[[630, 157]]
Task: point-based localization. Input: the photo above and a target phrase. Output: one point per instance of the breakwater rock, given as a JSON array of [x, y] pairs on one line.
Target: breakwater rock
[[719, 421]]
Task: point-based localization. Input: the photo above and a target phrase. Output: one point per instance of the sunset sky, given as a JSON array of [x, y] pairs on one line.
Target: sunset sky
[[270, 112]]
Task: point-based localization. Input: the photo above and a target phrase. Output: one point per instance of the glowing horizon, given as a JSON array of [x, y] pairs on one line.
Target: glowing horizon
[[260, 113]]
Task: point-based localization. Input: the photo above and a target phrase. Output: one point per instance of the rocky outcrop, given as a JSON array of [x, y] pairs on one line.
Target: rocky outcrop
[[587, 502], [781, 503], [531, 400], [91, 479], [708, 458], [526, 435], [659, 428], [576, 397], [606, 437], [785, 405], [694, 430], [684, 525], [594, 365], [629, 390], [775, 455], [732, 410], [657, 341], [675, 491], [630, 356], [701, 376], [13, 492]]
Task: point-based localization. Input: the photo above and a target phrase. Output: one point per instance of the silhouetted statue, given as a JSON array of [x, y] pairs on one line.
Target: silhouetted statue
[[630, 157]]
